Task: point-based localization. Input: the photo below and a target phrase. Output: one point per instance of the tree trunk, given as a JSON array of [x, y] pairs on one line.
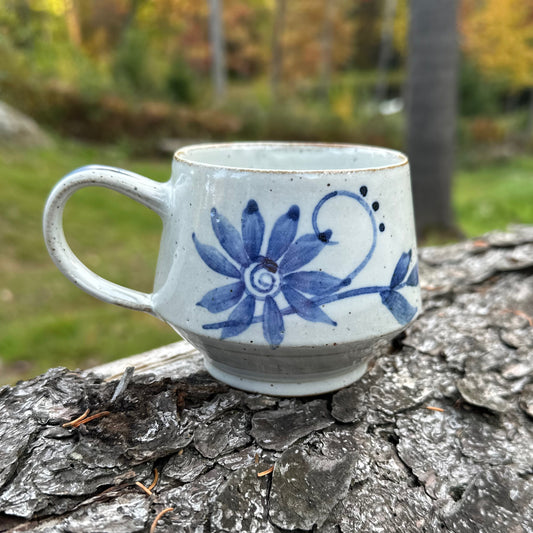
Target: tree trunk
[[326, 48], [385, 50], [218, 56], [529, 131], [277, 46], [435, 437], [129, 20], [432, 110], [73, 24]]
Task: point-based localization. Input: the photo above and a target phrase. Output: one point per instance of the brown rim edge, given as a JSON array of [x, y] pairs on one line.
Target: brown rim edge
[[181, 153]]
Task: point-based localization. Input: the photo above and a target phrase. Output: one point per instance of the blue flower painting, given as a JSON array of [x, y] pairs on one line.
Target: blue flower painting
[[265, 267]]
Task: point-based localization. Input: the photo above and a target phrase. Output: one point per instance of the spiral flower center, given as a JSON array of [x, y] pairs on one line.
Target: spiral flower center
[[262, 279]]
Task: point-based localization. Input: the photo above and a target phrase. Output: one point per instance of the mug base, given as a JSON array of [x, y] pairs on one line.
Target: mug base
[[311, 386]]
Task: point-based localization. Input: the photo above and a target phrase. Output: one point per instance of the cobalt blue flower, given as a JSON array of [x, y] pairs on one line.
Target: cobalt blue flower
[[264, 272], [262, 277]]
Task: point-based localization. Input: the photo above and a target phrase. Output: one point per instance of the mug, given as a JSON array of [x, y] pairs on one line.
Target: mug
[[285, 264]]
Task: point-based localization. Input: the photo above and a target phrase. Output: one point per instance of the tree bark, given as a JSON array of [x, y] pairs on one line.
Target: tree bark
[[432, 110], [436, 436], [218, 55]]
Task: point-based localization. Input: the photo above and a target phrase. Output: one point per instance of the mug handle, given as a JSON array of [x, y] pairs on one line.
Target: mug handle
[[152, 194]]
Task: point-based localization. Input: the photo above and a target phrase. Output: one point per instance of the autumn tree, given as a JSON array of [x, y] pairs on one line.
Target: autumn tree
[[318, 38], [499, 37]]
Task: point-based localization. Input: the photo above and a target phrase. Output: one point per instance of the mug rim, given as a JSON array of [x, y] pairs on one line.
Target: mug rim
[[180, 155]]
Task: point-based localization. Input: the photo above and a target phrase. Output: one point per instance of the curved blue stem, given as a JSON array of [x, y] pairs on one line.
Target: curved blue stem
[[369, 212], [348, 294], [319, 300]]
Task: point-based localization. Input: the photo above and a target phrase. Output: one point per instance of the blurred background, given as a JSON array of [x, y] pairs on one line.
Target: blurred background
[[126, 82]]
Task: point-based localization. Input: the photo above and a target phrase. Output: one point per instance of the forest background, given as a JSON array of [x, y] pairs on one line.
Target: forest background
[[120, 82]]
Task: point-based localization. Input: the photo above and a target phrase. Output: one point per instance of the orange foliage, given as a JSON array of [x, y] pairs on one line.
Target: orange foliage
[[486, 130], [498, 34], [185, 25], [303, 36]]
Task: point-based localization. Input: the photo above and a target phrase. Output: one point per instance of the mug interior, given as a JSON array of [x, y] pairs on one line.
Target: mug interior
[[291, 157]]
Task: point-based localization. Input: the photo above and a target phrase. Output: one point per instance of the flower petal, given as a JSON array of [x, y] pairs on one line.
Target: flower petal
[[412, 280], [304, 307], [314, 282], [273, 328], [240, 318], [253, 229], [229, 238], [401, 269], [402, 310], [303, 250], [215, 260], [283, 233], [222, 298]]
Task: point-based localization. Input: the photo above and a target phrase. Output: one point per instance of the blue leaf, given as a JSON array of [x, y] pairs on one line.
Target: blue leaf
[[412, 280], [240, 318], [222, 298], [229, 238], [304, 307], [215, 260], [253, 228], [314, 282], [273, 328], [283, 233], [402, 310], [401, 269], [303, 250]]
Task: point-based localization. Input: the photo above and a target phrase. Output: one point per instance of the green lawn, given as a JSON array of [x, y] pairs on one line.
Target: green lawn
[[47, 321], [494, 196], [44, 319]]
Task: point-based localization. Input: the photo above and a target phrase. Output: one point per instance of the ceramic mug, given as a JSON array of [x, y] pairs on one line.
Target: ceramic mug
[[283, 263]]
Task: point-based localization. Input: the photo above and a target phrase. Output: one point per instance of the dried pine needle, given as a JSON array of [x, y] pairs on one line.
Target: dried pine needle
[[146, 489], [517, 312], [154, 482], [92, 417], [431, 408], [79, 419], [158, 517], [266, 472]]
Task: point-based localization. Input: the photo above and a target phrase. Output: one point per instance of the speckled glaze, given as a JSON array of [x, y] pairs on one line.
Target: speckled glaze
[[286, 264]]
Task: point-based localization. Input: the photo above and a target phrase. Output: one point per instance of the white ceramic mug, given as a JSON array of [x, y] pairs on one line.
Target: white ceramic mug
[[284, 263]]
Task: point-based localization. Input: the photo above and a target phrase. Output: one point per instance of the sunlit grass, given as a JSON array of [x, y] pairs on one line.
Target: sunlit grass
[[494, 196], [44, 319]]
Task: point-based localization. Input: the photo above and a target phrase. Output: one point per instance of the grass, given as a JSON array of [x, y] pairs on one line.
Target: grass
[[46, 321], [494, 196]]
